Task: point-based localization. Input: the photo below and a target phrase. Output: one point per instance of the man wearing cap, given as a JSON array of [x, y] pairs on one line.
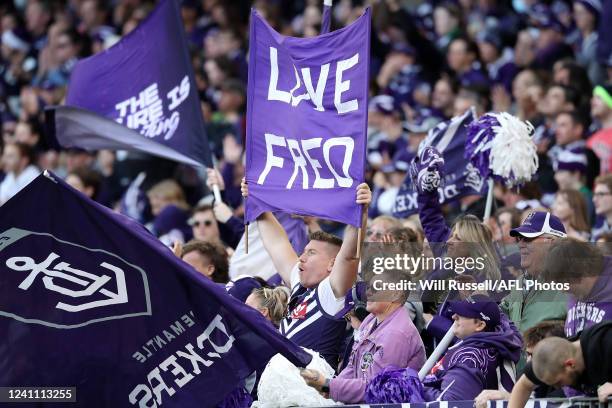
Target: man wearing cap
[[387, 183], [582, 161], [489, 345], [601, 141], [528, 307], [386, 136], [499, 60]]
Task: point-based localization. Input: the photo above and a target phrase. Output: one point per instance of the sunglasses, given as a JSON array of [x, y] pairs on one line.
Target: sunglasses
[[527, 240], [195, 223]]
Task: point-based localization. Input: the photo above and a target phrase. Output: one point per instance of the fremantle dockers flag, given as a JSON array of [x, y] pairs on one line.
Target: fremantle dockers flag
[[461, 178], [145, 83], [306, 121], [90, 299]]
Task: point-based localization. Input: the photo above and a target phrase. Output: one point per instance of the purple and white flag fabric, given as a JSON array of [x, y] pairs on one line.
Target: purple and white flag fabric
[[144, 82], [306, 121], [461, 178], [90, 299]]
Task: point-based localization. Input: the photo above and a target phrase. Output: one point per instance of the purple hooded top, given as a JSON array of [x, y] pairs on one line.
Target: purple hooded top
[[481, 361], [597, 307]]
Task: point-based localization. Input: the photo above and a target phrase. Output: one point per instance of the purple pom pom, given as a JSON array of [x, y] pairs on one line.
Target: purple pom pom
[[238, 398], [395, 385], [480, 135]]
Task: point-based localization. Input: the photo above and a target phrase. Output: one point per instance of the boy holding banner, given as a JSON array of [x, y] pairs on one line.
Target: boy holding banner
[[319, 280]]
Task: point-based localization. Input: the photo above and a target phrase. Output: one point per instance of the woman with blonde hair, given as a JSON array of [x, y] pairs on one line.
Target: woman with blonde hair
[[469, 239], [171, 212], [571, 208], [166, 192], [270, 302]]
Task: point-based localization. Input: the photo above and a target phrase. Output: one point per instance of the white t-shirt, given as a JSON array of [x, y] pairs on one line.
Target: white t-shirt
[[12, 184]]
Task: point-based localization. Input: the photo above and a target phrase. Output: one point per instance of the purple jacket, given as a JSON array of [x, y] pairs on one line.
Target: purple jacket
[[482, 361], [394, 342], [597, 307]]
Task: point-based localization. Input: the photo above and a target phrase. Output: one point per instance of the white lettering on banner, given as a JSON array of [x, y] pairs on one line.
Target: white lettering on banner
[[408, 201], [343, 86], [349, 145], [320, 182], [145, 112], [174, 372], [63, 271], [271, 160], [301, 157], [273, 93], [315, 95]]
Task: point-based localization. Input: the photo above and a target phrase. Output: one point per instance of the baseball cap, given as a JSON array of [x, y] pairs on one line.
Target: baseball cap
[[491, 37], [543, 17], [593, 6], [571, 161], [384, 104], [401, 162], [423, 122], [477, 307], [538, 223]]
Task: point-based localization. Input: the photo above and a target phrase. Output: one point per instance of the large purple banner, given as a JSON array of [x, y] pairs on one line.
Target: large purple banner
[[90, 299], [307, 118], [145, 82]]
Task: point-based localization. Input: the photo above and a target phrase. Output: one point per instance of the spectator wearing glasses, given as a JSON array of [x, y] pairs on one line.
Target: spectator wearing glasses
[[528, 307], [380, 226], [602, 198], [216, 225]]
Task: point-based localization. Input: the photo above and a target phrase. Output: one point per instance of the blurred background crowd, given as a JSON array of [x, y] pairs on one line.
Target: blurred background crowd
[[548, 62], [430, 61]]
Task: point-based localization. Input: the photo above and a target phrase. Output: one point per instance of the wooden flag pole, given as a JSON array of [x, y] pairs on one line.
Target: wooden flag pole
[[360, 231]]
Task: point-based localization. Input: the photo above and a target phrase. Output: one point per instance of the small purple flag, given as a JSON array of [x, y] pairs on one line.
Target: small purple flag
[[90, 299], [146, 83], [306, 121], [461, 177]]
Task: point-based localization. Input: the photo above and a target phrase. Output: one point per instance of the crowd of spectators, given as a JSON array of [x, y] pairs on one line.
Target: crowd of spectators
[[548, 62]]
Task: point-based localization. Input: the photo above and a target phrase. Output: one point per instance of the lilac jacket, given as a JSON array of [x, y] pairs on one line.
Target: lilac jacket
[[597, 307], [395, 342], [481, 361]]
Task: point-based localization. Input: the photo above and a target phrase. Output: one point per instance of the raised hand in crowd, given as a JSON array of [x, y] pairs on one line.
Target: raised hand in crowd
[[214, 177], [232, 151]]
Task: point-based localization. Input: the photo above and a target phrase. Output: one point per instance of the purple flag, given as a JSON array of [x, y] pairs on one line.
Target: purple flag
[[90, 299], [461, 177], [306, 121], [144, 82]]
